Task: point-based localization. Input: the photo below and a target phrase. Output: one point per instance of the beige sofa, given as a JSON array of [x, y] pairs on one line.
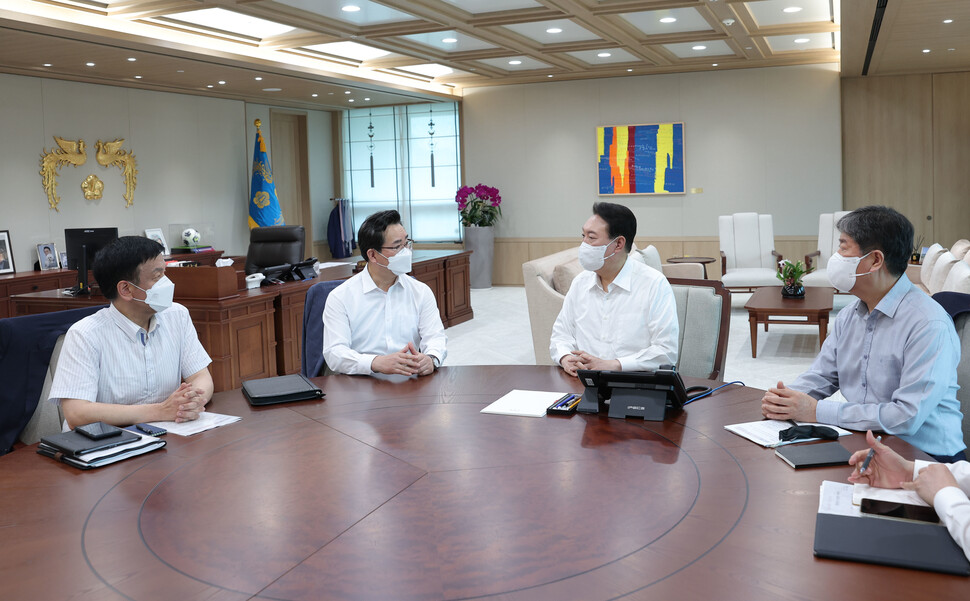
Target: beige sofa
[[547, 279]]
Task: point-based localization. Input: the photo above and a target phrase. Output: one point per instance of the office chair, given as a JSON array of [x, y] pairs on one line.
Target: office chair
[[311, 352], [274, 245]]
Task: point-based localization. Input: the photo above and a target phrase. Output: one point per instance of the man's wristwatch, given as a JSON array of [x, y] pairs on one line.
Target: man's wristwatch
[[436, 362]]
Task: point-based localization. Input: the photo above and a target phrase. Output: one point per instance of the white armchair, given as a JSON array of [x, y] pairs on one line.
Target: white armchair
[[828, 245], [941, 269], [748, 256], [929, 262], [547, 280]]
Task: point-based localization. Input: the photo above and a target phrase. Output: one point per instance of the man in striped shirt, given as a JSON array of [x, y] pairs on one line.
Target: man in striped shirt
[[138, 360]]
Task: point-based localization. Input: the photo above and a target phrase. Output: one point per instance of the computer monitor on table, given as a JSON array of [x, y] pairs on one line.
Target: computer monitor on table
[[82, 244]]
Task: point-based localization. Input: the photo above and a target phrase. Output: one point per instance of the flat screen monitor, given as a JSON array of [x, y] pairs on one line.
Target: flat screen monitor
[[82, 244]]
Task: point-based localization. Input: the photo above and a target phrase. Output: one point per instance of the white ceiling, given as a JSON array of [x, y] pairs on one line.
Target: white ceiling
[[403, 51]]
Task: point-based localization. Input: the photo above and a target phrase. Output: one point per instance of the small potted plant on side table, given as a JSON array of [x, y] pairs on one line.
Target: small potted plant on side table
[[791, 275]]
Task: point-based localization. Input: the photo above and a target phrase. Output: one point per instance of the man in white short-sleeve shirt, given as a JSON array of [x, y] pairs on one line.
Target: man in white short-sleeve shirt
[[138, 360], [619, 314], [382, 320]]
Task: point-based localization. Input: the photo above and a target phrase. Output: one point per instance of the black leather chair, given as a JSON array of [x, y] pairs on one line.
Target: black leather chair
[[274, 245]]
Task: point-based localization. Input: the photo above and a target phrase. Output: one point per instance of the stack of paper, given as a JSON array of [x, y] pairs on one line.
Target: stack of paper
[[765, 432], [528, 403], [207, 420]]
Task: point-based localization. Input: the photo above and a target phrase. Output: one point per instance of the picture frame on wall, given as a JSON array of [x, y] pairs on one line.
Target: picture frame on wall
[[640, 159], [6, 254], [156, 234], [47, 256]]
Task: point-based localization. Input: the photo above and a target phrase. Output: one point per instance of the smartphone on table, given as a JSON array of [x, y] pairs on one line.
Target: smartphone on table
[[893, 509], [98, 430]]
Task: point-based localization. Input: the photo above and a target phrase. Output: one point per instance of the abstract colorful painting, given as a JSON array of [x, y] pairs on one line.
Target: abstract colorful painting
[[641, 159]]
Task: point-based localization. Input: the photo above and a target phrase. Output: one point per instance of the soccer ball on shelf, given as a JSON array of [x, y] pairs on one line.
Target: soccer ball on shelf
[[191, 236]]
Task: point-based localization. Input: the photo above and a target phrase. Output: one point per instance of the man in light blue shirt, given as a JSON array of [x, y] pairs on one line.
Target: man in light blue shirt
[[893, 353]]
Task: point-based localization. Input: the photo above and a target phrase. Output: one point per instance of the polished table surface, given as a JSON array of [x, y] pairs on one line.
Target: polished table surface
[[394, 489]]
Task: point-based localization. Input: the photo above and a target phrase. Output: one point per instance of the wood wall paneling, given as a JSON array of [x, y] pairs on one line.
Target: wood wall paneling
[[951, 157], [887, 146]]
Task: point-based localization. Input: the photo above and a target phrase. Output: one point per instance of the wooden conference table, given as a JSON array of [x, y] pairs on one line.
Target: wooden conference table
[[402, 490]]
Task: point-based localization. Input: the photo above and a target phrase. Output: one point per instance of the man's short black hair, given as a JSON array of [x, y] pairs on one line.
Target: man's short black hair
[[371, 232], [620, 221], [881, 228], [120, 260]]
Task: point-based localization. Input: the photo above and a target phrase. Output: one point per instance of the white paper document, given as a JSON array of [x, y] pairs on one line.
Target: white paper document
[[207, 420], [528, 403], [896, 495], [765, 431], [836, 498]]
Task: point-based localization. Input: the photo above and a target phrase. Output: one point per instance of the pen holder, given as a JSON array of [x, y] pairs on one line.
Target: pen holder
[[564, 408]]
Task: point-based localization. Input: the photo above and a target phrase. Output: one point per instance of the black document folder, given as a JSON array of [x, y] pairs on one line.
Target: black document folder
[[889, 542], [76, 444], [814, 455], [280, 389]]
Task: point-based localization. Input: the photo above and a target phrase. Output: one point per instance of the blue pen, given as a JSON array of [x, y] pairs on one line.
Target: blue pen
[[565, 401]]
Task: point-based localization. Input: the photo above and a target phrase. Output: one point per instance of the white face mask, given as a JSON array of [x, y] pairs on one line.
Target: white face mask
[[158, 297], [400, 263], [592, 257], [841, 271]]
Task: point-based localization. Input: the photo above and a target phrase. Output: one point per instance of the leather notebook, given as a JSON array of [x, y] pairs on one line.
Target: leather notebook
[[814, 455], [280, 389], [75, 444], [889, 542]]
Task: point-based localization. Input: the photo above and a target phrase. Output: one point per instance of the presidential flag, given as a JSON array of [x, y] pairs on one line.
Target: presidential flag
[[264, 206]]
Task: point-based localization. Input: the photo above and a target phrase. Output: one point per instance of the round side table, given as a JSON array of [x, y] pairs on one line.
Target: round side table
[[702, 260]]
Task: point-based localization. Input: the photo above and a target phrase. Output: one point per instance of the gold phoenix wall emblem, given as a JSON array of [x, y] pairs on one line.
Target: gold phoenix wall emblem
[[71, 152]]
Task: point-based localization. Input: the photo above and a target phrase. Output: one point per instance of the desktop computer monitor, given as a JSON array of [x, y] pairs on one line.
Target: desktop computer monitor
[[82, 244]]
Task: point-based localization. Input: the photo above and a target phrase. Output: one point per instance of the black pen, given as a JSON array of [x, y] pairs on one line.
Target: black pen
[[869, 456]]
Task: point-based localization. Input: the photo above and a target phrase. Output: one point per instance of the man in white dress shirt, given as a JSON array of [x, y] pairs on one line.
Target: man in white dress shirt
[[382, 320], [138, 360], [619, 314]]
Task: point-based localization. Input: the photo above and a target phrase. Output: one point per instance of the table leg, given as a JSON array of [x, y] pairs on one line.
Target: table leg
[[823, 329], [753, 320]]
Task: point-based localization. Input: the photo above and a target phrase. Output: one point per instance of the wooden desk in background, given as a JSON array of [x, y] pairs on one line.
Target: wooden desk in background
[[399, 489], [258, 333]]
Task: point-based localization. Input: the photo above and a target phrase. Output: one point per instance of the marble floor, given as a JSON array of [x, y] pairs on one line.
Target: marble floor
[[500, 335]]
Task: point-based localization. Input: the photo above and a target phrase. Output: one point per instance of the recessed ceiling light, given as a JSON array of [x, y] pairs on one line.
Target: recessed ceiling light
[[258, 78], [515, 62], [629, 70], [350, 100], [314, 95], [131, 59], [926, 50], [346, 91], [222, 82], [210, 86], [792, 9], [329, 93], [668, 20], [89, 64], [548, 75], [747, 47], [604, 55], [713, 64], [802, 40], [48, 65], [449, 40], [181, 71], [950, 49], [272, 89], [138, 77], [699, 48], [554, 30], [947, 20], [350, 8]]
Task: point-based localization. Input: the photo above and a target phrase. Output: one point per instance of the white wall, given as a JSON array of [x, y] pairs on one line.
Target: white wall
[[765, 140], [194, 162]]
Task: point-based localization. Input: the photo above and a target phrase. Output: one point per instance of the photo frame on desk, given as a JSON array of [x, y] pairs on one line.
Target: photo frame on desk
[[6, 253], [156, 234], [47, 256]]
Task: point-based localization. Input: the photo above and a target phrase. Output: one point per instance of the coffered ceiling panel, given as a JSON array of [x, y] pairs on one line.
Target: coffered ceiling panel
[[405, 51]]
